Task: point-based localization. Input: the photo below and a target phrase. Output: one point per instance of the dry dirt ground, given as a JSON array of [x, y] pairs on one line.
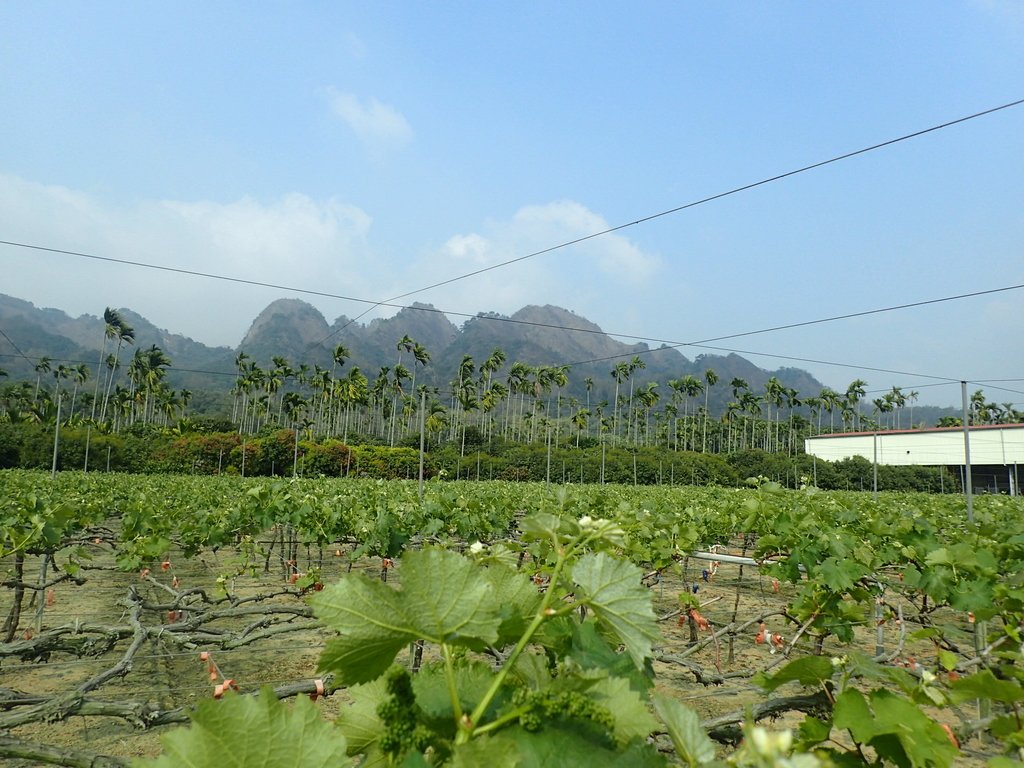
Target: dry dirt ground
[[171, 676]]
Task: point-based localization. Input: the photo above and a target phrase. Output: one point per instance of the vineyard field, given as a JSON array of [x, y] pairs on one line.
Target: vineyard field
[[868, 630]]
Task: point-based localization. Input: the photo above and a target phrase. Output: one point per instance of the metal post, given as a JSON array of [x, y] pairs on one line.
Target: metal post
[[56, 437], [547, 474], [980, 642], [88, 434], [879, 628], [874, 484], [968, 489], [423, 400], [41, 594]]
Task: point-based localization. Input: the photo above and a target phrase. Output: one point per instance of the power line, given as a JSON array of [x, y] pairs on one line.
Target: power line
[[667, 344], [702, 343], [175, 368], [710, 198], [1001, 389], [11, 342], [189, 272], [389, 302], [499, 318], [802, 324], [943, 379]]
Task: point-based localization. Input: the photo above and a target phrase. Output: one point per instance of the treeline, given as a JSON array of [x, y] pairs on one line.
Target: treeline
[[276, 452], [501, 399], [498, 418]]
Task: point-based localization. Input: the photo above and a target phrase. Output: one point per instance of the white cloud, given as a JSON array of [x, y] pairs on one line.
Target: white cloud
[[295, 241], [578, 277], [469, 248], [303, 243], [378, 126], [613, 253]]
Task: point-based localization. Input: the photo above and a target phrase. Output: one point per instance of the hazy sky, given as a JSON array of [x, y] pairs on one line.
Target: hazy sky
[[371, 149]]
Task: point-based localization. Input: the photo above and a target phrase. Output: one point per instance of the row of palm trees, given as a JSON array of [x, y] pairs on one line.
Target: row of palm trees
[[140, 396], [497, 398], [525, 403]]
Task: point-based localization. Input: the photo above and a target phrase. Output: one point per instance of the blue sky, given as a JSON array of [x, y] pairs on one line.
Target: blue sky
[[371, 149]]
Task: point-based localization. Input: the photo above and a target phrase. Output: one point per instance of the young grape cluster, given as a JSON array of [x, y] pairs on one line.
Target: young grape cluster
[[403, 731], [545, 706]]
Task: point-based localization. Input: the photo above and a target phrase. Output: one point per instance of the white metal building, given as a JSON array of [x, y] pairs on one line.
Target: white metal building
[[996, 451]]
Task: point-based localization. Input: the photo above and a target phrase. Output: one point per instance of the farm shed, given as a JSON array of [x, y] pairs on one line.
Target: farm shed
[[997, 450]]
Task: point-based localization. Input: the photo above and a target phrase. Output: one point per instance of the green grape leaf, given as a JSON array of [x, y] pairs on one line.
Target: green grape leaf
[[253, 732], [608, 532], [446, 599], [1005, 726], [361, 725], [973, 595], [840, 575], [516, 599], [923, 740], [613, 590], [472, 679], [808, 671], [985, 685], [813, 731], [499, 553], [852, 713], [591, 651], [442, 599], [863, 666], [692, 744], [517, 748], [896, 727], [494, 752], [939, 556], [531, 669], [632, 718], [371, 622], [543, 526]]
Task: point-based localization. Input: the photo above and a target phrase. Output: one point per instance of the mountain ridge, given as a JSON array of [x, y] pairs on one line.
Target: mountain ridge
[[297, 331]]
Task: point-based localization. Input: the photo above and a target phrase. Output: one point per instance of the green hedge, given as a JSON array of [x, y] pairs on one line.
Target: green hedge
[[144, 449]]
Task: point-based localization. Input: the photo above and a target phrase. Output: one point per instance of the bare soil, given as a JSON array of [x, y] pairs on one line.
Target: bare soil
[[713, 680]]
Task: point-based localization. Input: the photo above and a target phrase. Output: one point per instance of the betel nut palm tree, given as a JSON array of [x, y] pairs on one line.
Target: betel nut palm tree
[[125, 335], [710, 379]]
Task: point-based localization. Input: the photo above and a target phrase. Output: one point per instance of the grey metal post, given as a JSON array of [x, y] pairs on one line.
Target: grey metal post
[[968, 485], [879, 628], [56, 439], [423, 401], [547, 475], [874, 467], [88, 434], [41, 594]]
